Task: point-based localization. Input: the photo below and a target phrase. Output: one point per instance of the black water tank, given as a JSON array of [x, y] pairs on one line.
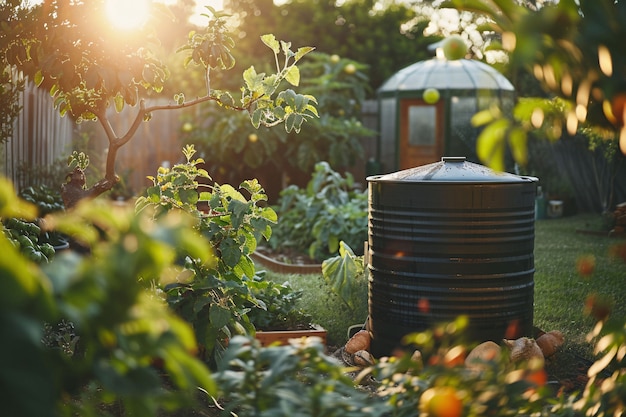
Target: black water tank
[[448, 239]]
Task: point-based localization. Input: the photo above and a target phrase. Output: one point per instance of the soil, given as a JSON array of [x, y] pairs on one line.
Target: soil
[[567, 372], [287, 256]]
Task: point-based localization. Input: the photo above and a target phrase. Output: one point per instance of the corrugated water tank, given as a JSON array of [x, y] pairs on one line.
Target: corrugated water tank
[[448, 239]]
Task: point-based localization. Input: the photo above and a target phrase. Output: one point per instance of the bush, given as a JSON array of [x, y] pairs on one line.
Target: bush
[[279, 306], [125, 329], [315, 219], [213, 296]]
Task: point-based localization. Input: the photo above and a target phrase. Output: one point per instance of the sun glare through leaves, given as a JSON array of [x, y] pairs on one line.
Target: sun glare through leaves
[[127, 15]]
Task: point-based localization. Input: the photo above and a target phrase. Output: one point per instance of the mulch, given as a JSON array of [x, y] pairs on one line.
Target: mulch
[[567, 372]]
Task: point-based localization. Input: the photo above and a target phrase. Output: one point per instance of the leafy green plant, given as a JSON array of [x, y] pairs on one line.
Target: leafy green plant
[[27, 237], [64, 48], [129, 339], [279, 306], [60, 336], [344, 272], [213, 296], [297, 379], [47, 200], [228, 140], [315, 219], [576, 66]]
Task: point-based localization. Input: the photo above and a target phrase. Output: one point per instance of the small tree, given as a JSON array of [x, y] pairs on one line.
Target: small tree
[[65, 48], [574, 49]]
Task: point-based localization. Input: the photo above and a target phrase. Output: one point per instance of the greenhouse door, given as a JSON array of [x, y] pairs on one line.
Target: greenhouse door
[[421, 133]]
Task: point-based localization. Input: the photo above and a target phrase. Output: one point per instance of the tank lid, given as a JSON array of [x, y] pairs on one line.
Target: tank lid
[[451, 170]]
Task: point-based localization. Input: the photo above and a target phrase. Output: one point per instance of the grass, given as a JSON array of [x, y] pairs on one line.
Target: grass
[[326, 308], [560, 290]]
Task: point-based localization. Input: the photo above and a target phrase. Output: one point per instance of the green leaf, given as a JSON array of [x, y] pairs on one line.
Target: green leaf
[[218, 315], [286, 47], [119, 103], [302, 52], [518, 143], [188, 196], [271, 42], [490, 145], [341, 273], [482, 118], [269, 214], [38, 78], [293, 75], [245, 267], [238, 209], [231, 252], [333, 243], [229, 191]]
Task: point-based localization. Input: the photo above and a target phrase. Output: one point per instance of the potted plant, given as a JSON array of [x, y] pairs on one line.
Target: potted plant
[[276, 316]]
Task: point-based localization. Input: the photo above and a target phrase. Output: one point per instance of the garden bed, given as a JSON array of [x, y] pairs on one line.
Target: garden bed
[[286, 261]]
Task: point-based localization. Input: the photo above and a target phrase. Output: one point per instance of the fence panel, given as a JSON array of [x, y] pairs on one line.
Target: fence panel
[[40, 136]]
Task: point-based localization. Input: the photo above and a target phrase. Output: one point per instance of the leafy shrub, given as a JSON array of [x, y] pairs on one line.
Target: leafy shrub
[[213, 296], [279, 311], [293, 380], [124, 327], [315, 219], [48, 200], [230, 144]]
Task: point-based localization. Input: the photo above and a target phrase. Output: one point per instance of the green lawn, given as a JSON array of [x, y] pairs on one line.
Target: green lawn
[[560, 291]]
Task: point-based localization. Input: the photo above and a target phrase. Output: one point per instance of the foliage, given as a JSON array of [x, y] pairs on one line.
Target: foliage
[[46, 199], [125, 328], [231, 144], [280, 310], [315, 219], [343, 273], [28, 238], [50, 175], [11, 12], [325, 307], [27, 235], [297, 379], [213, 297], [66, 48], [385, 37], [573, 48]]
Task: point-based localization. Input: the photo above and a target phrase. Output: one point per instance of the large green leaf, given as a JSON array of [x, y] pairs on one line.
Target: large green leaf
[[341, 273]]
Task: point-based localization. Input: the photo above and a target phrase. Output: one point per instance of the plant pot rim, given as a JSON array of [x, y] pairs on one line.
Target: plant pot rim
[[282, 337], [285, 268]]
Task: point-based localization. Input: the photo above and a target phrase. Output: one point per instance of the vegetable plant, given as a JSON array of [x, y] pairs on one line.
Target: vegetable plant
[[25, 236], [315, 219], [280, 310], [213, 296], [293, 380], [135, 353]]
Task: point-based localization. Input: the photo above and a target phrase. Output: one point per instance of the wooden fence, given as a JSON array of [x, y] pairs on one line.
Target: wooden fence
[[40, 137], [156, 143]]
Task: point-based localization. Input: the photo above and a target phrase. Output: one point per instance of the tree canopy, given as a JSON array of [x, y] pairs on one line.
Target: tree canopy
[[386, 37], [68, 49], [574, 49]]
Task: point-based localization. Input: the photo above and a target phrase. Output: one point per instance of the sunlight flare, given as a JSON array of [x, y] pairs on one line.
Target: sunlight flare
[[128, 15]]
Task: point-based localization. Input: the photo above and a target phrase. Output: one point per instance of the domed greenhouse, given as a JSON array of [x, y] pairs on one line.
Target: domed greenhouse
[[425, 110]]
